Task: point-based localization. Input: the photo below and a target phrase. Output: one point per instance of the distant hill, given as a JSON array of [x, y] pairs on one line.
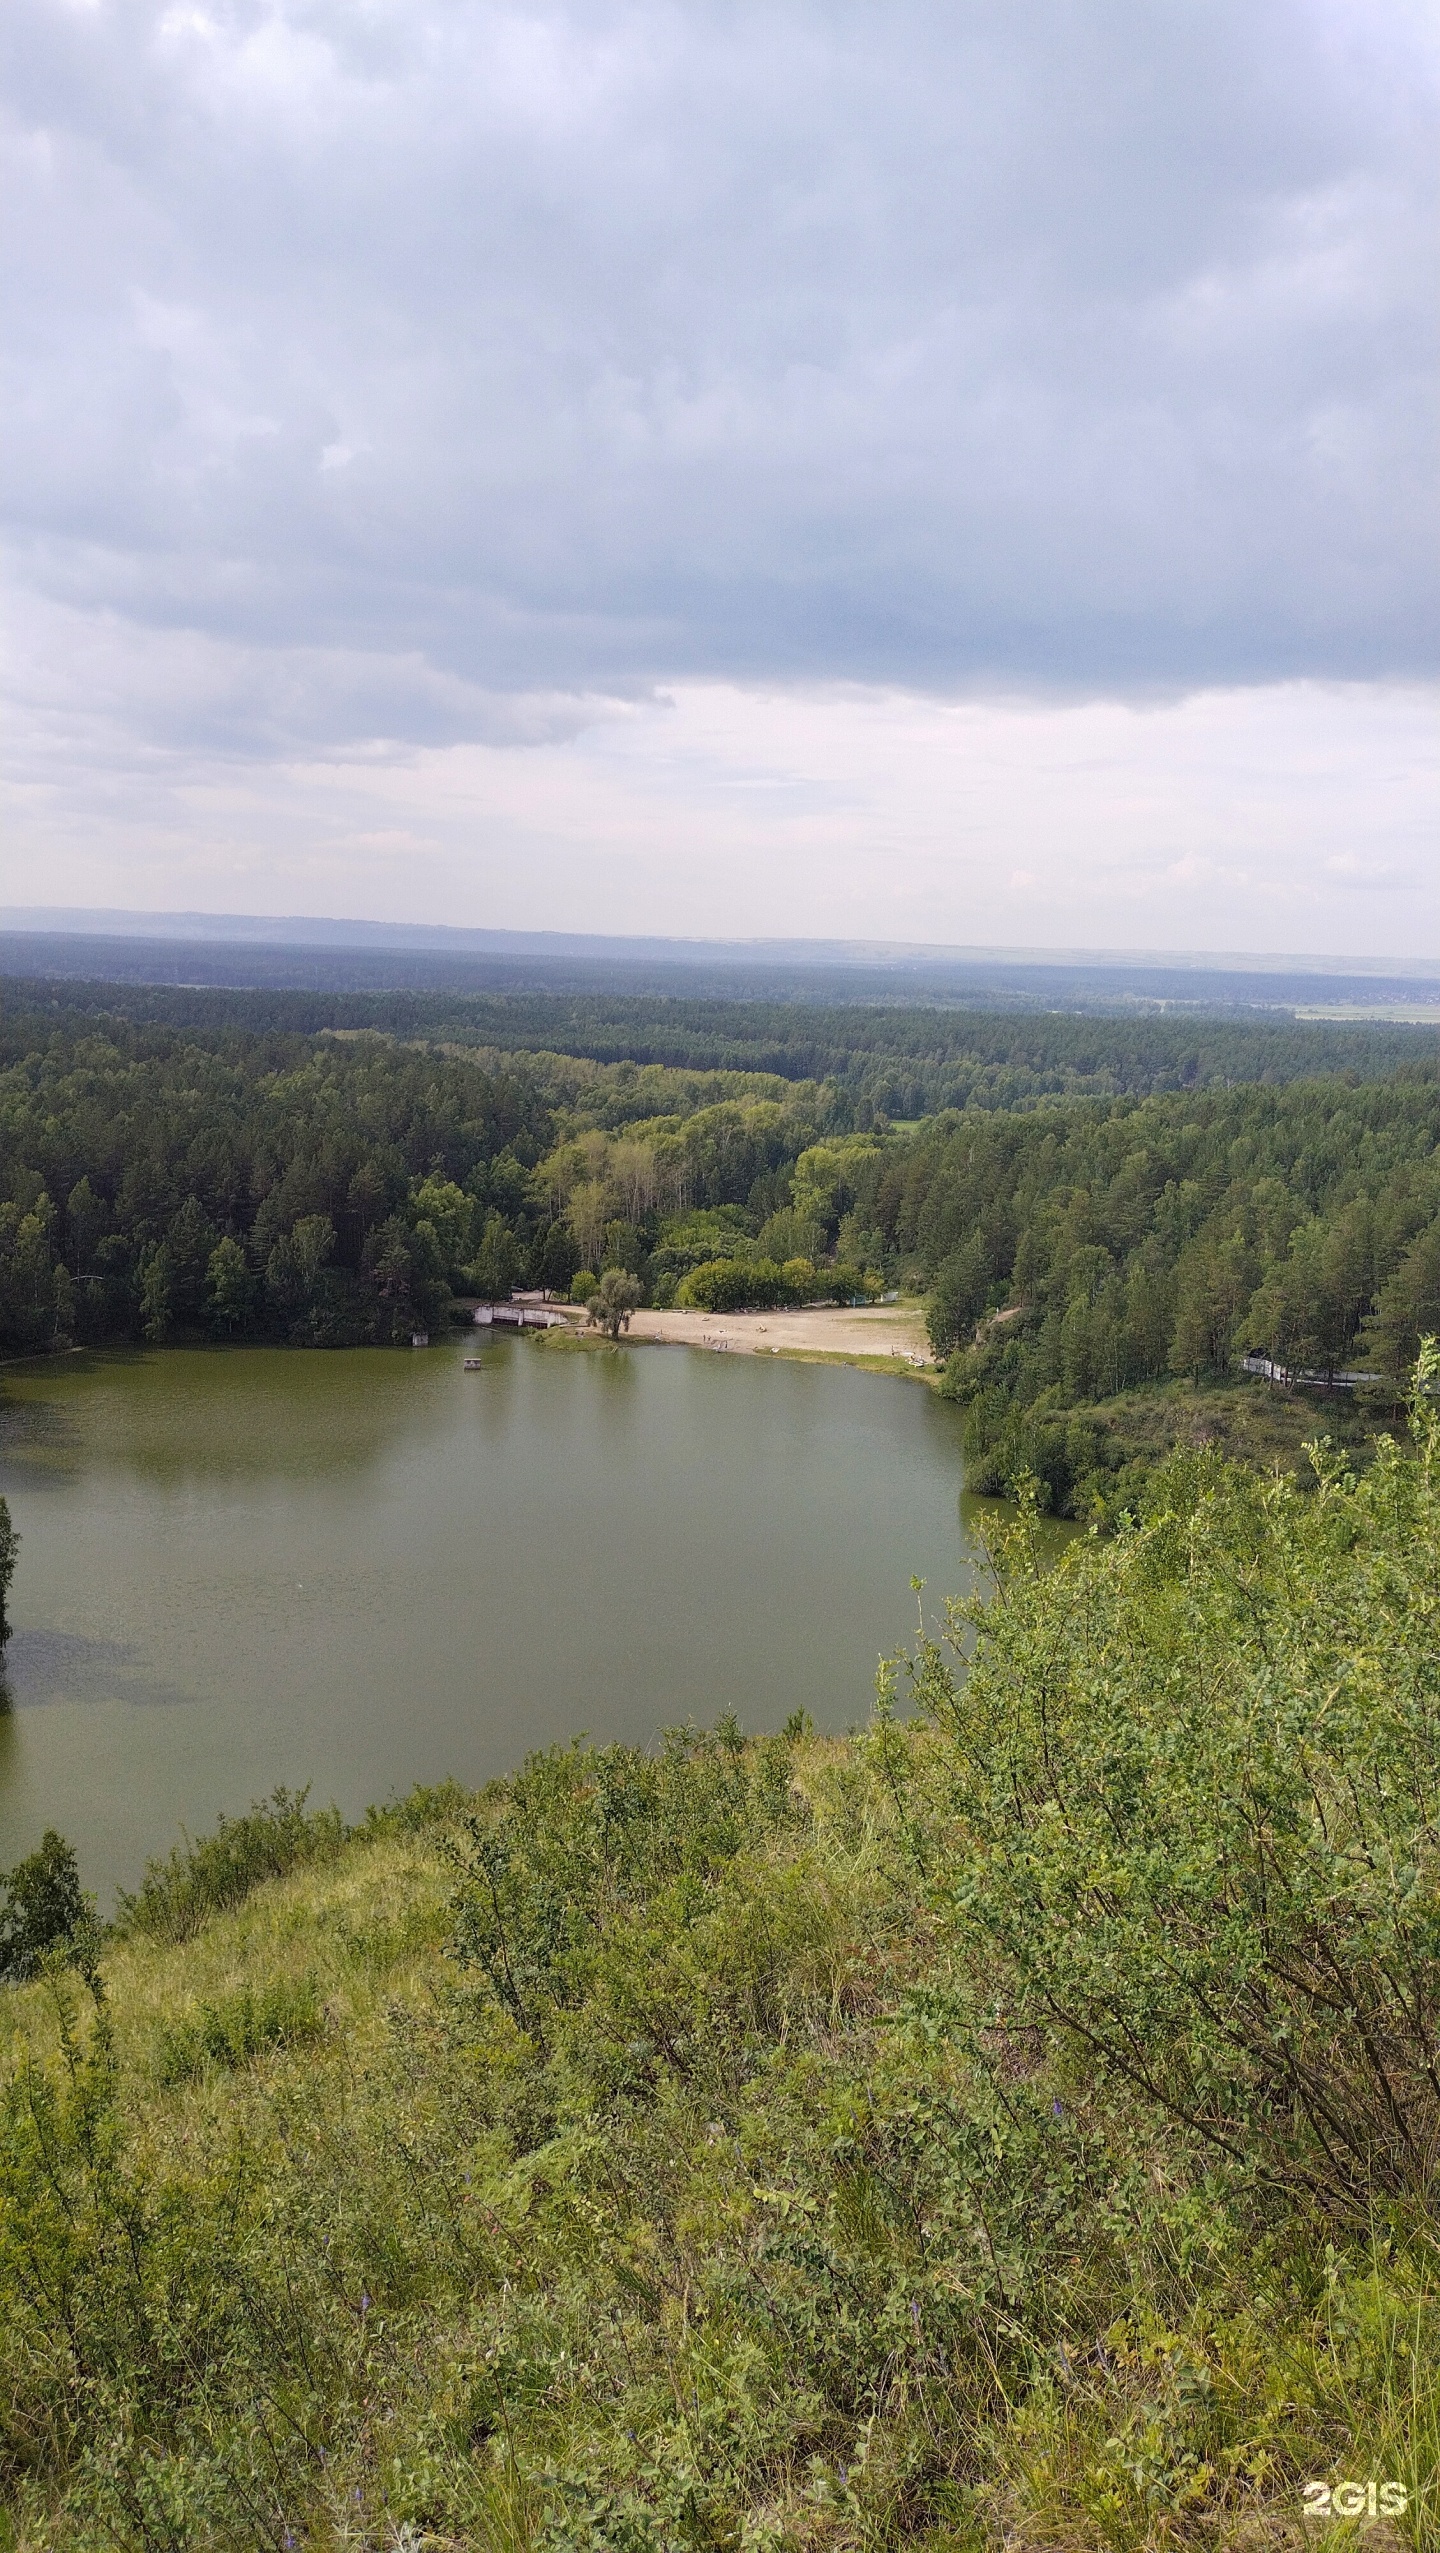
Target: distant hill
[[322, 955]]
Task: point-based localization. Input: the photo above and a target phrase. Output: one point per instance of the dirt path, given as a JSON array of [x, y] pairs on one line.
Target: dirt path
[[891, 1330]]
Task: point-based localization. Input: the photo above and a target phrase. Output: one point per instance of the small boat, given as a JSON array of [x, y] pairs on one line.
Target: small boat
[[474, 1365]]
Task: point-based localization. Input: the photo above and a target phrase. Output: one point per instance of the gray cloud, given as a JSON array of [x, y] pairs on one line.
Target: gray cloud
[[372, 363], [83, 691]]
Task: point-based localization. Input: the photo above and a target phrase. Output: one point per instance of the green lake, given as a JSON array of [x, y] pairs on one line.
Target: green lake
[[366, 1569]]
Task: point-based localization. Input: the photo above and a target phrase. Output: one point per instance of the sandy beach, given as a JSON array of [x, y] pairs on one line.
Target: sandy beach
[[882, 1329]]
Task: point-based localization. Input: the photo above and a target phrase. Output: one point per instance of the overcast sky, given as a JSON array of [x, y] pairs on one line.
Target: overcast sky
[[921, 471]]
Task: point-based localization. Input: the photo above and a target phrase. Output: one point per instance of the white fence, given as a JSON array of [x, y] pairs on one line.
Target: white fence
[[1290, 1375]]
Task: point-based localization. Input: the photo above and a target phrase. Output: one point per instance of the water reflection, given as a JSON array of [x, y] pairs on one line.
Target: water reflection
[[214, 1415], [62, 1666]]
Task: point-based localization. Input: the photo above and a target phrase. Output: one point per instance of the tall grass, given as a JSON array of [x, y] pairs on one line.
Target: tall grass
[[200, 1879]]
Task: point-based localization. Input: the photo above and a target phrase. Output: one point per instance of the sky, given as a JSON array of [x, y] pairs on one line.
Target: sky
[[955, 473]]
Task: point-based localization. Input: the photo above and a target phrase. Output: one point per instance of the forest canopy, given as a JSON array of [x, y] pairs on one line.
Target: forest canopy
[[333, 1189], [897, 1060], [1080, 1251]]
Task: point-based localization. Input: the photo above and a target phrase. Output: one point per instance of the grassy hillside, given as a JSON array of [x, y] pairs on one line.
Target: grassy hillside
[[1016, 2124]]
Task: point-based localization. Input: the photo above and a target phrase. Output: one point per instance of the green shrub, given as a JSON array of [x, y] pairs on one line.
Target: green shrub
[[585, 1838], [197, 1880], [237, 2027], [720, 1285], [737, 1285], [850, 1284], [758, 1285], [1071, 1464], [428, 1805], [1199, 1779]]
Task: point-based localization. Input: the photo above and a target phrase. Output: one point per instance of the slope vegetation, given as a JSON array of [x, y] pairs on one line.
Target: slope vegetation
[[1017, 2123]]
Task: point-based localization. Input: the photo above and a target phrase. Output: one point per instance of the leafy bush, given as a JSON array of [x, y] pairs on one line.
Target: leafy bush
[[429, 1806], [758, 1285], [1199, 1779], [587, 1838], [850, 1284], [729, 1285], [230, 2031], [737, 1285], [197, 1880], [1069, 1463]]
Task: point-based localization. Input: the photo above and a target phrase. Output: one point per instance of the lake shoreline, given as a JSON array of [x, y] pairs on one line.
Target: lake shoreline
[[876, 1338]]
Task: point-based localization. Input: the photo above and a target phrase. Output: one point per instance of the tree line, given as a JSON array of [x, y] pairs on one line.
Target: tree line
[[1078, 1251], [161, 1183]]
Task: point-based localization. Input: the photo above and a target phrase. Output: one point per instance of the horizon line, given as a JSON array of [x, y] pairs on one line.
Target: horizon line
[[323, 931]]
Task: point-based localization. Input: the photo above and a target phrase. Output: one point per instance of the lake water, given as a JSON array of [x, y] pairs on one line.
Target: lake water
[[364, 1570]]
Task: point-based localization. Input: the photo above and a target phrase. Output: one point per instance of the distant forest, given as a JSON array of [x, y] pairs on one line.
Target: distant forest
[[893, 1060], [1090, 1205]]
